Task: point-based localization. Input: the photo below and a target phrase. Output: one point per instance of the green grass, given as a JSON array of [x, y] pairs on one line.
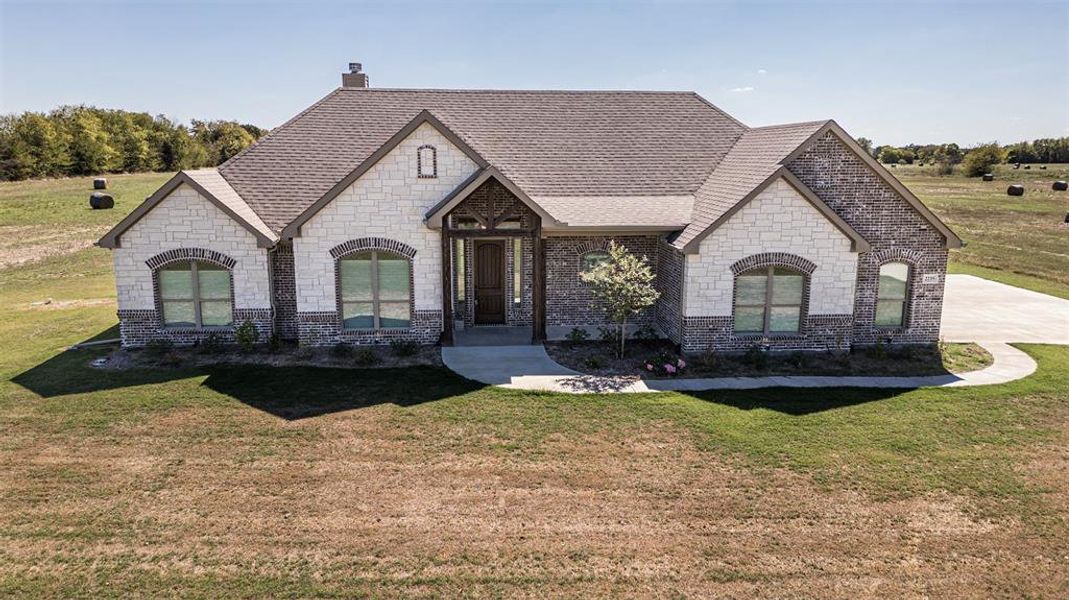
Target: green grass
[[1020, 241]]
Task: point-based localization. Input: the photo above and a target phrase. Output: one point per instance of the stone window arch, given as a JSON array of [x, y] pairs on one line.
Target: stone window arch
[[193, 288], [374, 284], [771, 294], [427, 162]]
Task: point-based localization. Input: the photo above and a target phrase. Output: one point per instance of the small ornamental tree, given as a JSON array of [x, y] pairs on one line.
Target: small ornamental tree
[[623, 285]]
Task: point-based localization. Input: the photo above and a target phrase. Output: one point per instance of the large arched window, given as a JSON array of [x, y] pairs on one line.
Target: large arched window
[[892, 297], [375, 290], [768, 300], [195, 293]]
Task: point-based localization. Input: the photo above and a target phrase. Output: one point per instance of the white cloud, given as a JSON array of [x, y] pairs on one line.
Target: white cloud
[[761, 71], [742, 90]]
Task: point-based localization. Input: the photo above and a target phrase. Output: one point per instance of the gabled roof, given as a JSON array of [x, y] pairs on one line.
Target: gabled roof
[[210, 184], [435, 214], [293, 228], [549, 143], [759, 157], [756, 155]]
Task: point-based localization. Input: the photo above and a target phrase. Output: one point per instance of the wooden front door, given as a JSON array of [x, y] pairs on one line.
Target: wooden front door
[[489, 282]]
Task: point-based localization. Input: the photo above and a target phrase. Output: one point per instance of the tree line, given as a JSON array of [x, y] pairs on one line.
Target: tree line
[[975, 161], [85, 140]]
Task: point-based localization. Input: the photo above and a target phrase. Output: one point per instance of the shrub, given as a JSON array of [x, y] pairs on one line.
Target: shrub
[[404, 347], [878, 350], [610, 335], [158, 346], [365, 356], [798, 360], [577, 334], [592, 362], [980, 159], [646, 333], [247, 335], [665, 363], [274, 343], [341, 350], [213, 344], [707, 360], [757, 357]]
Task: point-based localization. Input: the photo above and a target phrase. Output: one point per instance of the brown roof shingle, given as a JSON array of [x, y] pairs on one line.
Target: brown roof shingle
[[550, 143]]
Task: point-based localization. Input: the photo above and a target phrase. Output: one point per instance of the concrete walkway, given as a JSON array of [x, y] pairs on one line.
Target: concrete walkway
[[530, 368], [974, 310], [980, 310]]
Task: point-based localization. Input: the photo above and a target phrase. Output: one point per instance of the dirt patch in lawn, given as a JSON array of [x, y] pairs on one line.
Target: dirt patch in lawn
[[372, 500], [599, 358]]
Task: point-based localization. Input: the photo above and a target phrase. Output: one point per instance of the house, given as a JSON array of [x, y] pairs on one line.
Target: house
[[389, 214]]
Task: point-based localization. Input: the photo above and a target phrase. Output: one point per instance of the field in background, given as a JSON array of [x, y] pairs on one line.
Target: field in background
[[1021, 241]]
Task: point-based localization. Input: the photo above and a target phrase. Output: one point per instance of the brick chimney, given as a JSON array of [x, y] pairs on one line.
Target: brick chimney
[[354, 78]]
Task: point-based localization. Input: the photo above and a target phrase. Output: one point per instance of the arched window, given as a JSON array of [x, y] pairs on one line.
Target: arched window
[[195, 293], [427, 162], [768, 300], [375, 290], [589, 260], [893, 295]]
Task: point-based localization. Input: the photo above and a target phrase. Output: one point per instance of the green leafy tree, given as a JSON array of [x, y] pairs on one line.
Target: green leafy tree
[[623, 286], [38, 147], [980, 159], [865, 143]]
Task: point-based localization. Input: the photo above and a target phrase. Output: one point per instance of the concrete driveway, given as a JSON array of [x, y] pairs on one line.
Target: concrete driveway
[[979, 310]]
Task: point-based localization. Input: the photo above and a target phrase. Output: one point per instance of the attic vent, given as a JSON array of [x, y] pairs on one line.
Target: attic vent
[[427, 162]]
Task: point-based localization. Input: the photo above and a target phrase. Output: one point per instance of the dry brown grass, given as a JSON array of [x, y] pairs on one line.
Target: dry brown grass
[[409, 506]]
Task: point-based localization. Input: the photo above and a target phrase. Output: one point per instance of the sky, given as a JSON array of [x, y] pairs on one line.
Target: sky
[[895, 72]]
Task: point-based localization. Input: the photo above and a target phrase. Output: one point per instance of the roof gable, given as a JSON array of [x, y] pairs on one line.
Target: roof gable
[[209, 184], [436, 213], [293, 228]]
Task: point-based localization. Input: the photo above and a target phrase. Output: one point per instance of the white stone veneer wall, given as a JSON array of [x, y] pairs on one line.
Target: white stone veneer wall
[[779, 219], [387, 201], [185, 219]]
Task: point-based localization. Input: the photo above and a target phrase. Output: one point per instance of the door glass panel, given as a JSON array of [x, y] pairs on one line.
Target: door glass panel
[[393, 277], [889, 313], [750, 289], [784, 319], [749, 319], [356, 277], [460, 270], [176, 281], [393, 314], [179, 314], [214, 281], [517, 271], [357, 315], [786, 287], [215, 313]]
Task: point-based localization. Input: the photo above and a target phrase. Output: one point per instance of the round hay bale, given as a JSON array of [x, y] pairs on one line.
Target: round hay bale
[[100, 183], [100, 200], [1060, 186], [1015, 190], [1042, 167], [894, 166], [1027, 167], [988, 177]]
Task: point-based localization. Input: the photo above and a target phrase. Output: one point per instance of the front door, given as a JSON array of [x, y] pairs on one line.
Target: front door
[[489, 282]]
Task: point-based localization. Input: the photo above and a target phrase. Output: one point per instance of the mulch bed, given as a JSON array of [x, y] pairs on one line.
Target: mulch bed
[[598, 358], [365, 357]]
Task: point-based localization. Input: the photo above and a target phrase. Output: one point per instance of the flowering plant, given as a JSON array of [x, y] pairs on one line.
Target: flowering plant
[[665, 364]]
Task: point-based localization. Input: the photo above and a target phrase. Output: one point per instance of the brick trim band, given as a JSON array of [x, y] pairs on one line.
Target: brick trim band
[[773, 259], [885, 256], [179, 254], [372, 243]]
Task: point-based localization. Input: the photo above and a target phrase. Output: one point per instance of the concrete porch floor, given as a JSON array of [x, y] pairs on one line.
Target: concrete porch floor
[[493, 335]]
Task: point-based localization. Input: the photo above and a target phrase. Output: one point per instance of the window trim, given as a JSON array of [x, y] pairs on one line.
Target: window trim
[[769, 304], [517, 270], [907, 300], [421, 169], [198, 321], [375, 301]]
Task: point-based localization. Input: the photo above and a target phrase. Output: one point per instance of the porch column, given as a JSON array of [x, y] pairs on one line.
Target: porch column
[[538, 276], [447, 285]]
